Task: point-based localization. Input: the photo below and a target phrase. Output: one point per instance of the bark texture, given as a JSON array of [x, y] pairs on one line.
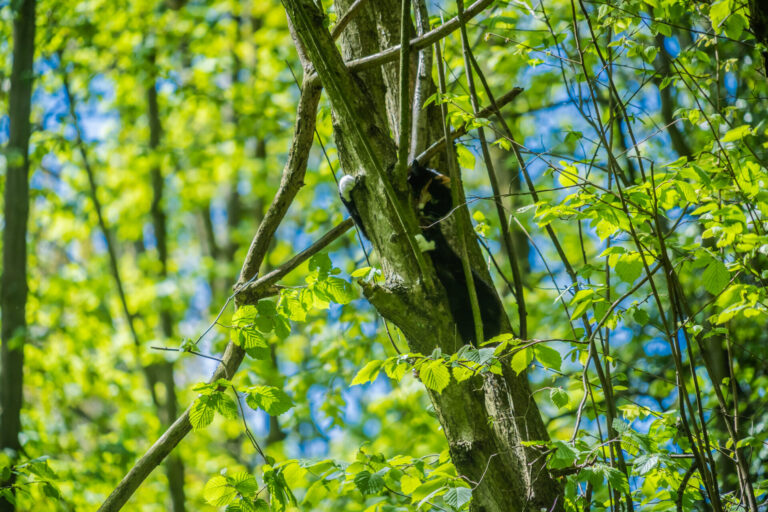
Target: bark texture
[[13, 296], [485, 419]]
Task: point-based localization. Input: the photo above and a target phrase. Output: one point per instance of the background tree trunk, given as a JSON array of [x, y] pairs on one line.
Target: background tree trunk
[[164, 371], [13, 297]]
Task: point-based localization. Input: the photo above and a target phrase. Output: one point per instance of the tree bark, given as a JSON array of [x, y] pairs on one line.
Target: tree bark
[[13, 296], [485, 419]]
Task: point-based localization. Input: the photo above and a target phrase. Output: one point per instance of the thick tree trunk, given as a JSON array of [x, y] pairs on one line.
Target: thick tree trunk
[[13, 297], [485, 419]]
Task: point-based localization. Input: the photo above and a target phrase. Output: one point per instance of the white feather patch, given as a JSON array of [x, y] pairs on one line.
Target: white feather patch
[[346, 184]]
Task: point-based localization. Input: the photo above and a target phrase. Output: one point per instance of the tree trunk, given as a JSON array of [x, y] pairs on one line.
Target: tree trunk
[[485, 419], [13, 297], [758, 22], [174, 467]]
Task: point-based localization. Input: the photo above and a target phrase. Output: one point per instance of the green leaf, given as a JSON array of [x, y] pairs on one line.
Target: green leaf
[[409, 483], [51, 491], [582, 294], [282, 326], [573, 136], [247, 336], [369, 483], [270, 399], [218, 491], [244, 483], [737, 133], [605, 228], [435, 375], [645, 463], [203, 411], [715, 277], [226, 406], [320, 262], [466, 157], [395, 369], [641, 316], [629, 267], [617, 479], [718, 12], [559, 397], [564, 456], [580, 309], [367, 373], [457, 497], [361, 272], [427, 489], [687, 190], [266, 308], [244, 315], [521, 360], [338, 290], [250, 337], [291, 305], [569, 175], [547, 356]]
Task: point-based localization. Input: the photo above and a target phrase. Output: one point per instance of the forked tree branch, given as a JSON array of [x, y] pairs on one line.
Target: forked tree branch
[[233, 356]]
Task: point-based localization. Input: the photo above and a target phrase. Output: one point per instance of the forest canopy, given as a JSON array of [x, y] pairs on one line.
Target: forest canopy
[[382, 255]]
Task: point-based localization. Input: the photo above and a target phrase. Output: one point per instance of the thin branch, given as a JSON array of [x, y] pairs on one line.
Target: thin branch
[[248, 432], [456, 188], [292, 180], [506, 235], [418, 43], [107, 233], [405, 96], [272, 277], [344, 21], [437, 146]]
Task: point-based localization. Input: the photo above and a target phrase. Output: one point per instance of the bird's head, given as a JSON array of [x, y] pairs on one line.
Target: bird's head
[[346, 184]]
